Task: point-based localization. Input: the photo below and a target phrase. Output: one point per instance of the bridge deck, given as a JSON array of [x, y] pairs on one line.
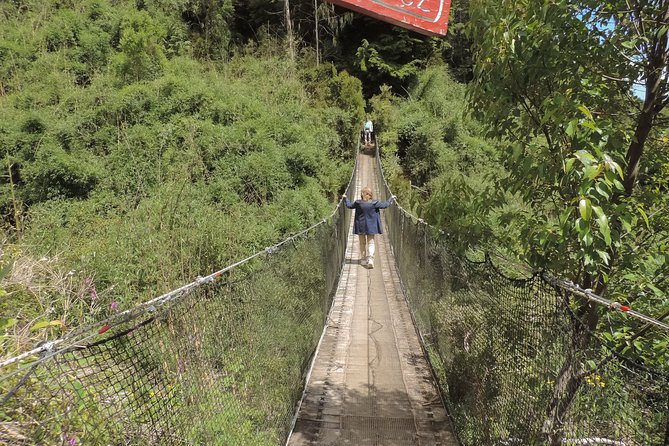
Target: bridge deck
[[370, 383]]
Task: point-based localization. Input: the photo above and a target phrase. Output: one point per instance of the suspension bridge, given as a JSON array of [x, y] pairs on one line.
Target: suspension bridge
[[299, 344]]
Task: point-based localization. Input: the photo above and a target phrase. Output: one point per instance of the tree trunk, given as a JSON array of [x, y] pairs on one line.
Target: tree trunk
[[652, 105], [316, 29], [666, 432], [571, 375], [289, 30]]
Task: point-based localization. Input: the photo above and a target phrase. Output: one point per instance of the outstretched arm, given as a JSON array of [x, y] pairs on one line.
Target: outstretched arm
[[347, 202], [385, 204]]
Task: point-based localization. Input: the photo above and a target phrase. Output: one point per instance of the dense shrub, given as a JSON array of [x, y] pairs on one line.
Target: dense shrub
[[134, 164], [58, 174]]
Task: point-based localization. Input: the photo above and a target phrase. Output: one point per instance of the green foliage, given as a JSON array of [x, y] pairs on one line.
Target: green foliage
[[578, 144], [58, 174], [141, 55], [137, 168], [62, 31], [369, 59], [457, 48], [441, 153], [127, 158], [553, 82], [339, 95], [209, 24], [394, 57], [345, 92], [223, 364], [194, 168], [570, 136]]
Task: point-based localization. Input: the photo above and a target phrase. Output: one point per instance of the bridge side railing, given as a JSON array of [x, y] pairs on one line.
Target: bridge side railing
[[516, 364], [221, 360]]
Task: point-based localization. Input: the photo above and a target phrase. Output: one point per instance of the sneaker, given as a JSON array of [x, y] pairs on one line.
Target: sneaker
[[370, 263]]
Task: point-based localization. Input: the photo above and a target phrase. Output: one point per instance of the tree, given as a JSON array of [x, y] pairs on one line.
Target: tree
[[387, 54], [141, 55], [208, 21], [556, 82], [457, 48]]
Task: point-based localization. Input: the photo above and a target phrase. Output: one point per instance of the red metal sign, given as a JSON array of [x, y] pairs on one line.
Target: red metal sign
[[424, 16]]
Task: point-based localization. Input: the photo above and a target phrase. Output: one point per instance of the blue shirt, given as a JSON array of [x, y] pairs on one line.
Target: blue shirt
[[367, 219]]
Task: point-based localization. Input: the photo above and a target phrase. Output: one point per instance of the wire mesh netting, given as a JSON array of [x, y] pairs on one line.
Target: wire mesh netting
[[516, 364], [220, 361]]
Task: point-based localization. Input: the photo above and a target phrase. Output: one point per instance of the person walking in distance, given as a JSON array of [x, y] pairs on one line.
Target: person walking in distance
[[367, 222], [368, 130]]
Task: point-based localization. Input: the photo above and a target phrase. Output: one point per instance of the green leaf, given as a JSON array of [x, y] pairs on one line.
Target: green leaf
[[587, 238], [626, 220], [591, 125], [585, 157], [603, 189], [604, 256], [6, 270], [658, 292], [604, 228], [569, 165], [585, 209], [614, 166], [662, 30], [645, 217], [592, 172], [564, 215], [585, 111], [7, 323], [598, 211], [43, 324]]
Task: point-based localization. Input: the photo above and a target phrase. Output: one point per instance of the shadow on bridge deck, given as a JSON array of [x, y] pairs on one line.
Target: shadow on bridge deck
[[370, 383]]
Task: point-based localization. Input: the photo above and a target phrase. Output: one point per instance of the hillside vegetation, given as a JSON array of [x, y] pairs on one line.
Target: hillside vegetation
[[149, 142], [130, 167]]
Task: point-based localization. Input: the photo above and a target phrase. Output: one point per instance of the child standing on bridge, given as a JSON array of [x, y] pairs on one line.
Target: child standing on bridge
[[368, 130], [367, 223]]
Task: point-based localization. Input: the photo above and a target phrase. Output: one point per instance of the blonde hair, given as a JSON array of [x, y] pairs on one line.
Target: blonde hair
[[366, 191]]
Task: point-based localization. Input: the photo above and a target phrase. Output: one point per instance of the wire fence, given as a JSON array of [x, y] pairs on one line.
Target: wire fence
[[516, 362], [220, 361]]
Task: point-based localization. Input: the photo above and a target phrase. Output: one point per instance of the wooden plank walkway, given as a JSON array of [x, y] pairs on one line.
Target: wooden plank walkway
[[370, 383]]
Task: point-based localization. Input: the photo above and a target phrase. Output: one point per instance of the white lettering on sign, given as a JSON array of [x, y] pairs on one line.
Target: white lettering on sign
[[406, 3], [428, 17]]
